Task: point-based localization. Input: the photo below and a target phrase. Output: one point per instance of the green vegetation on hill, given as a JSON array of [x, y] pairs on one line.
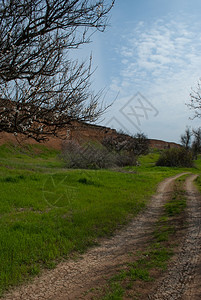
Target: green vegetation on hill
[[30, 157], [47, 212]]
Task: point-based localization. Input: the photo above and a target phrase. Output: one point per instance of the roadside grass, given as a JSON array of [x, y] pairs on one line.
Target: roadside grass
[[36, 231], [154, 259], [48, 213], [198, 180]]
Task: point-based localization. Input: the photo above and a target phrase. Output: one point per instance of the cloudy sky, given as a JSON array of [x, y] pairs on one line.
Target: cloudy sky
[[148, 60]]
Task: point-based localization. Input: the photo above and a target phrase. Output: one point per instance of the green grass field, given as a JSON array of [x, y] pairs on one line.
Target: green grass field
[[48, 213]]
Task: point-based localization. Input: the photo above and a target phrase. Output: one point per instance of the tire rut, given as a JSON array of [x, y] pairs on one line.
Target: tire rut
[[182, 280], [70, 279]]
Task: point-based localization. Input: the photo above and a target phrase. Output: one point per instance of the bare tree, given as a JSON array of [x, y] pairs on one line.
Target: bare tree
[[137, 144], [41, 89], [196, 145], [195, 103], [141, 144], [186, 138]]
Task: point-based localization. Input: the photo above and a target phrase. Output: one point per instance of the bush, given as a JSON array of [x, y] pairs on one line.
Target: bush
[[175, 157], [94, 156], [137, 144], [87, 156], [124, 159]]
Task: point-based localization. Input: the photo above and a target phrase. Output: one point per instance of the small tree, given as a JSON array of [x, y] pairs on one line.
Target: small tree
[[186, 138], [137, 144], [116, 143], [140, 144], [196, 145]]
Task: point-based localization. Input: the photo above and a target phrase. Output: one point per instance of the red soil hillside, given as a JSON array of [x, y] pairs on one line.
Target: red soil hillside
[[80, 132]]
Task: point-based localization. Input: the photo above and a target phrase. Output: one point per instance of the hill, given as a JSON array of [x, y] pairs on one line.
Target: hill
[[80, 132]]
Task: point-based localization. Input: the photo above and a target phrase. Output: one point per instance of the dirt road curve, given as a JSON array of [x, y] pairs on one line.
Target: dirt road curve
[[72, 278], [183, 279]]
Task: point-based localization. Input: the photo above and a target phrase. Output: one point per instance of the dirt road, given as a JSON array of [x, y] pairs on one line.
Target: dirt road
[[183, 279], [71, 279]]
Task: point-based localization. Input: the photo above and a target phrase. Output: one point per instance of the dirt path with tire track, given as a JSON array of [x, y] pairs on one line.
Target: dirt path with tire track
[[71, 279], [183, 279]]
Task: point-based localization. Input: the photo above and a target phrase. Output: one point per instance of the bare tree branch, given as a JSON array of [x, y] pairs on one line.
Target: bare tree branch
[[41, 89], [195, 102], [186, 138]]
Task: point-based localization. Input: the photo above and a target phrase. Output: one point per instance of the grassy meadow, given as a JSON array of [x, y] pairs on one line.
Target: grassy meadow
[[49, 213]]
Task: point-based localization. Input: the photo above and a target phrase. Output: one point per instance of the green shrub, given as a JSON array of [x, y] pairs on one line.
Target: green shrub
[[175, 157]]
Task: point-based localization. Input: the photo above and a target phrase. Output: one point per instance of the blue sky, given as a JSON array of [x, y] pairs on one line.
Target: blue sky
[[148, 60]]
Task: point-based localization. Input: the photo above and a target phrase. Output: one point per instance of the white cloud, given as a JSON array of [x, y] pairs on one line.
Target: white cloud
[[162, 62]]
